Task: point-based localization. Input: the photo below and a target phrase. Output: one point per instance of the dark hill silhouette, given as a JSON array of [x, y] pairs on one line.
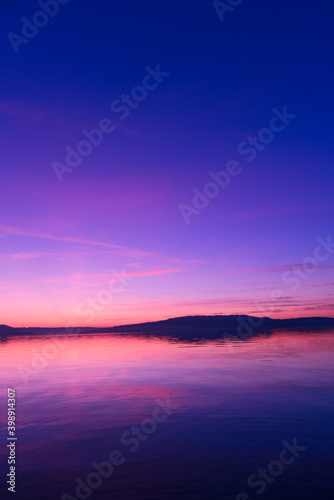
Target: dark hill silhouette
[[192, 327]]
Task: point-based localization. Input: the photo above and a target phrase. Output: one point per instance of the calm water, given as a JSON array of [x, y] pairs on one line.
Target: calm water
[[233, 405]]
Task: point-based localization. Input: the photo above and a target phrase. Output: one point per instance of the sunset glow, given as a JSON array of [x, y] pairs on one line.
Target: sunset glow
[[207, 189]]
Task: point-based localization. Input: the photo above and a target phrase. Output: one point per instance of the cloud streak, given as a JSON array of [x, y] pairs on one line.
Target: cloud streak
[[116, 249]]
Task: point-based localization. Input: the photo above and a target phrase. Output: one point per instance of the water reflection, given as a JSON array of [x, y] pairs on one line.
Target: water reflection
[[236, 402]]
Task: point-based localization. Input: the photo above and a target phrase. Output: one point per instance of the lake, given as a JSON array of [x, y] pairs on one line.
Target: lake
[[145, 418]]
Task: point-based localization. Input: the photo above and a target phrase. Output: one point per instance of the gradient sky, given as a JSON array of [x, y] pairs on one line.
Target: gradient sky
[[61, 244]]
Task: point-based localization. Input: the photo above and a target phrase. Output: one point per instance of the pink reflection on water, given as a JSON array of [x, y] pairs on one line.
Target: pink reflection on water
[[123, 375], [96, 387]]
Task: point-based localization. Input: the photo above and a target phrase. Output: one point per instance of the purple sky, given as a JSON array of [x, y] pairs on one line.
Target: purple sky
[[109, 245]]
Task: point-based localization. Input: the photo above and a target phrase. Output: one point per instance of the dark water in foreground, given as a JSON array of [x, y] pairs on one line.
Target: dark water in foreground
[[233, 405]]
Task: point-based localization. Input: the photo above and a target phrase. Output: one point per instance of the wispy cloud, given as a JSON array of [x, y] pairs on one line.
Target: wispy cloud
[[116, 249], [35, 255], [107, 276], [274, 268]]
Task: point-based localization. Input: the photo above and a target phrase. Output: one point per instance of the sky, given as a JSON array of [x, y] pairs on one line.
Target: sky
[[206, 186]]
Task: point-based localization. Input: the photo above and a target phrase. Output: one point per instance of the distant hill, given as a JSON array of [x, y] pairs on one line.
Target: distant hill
[[214, 323], [192, 326], [6, 329]]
